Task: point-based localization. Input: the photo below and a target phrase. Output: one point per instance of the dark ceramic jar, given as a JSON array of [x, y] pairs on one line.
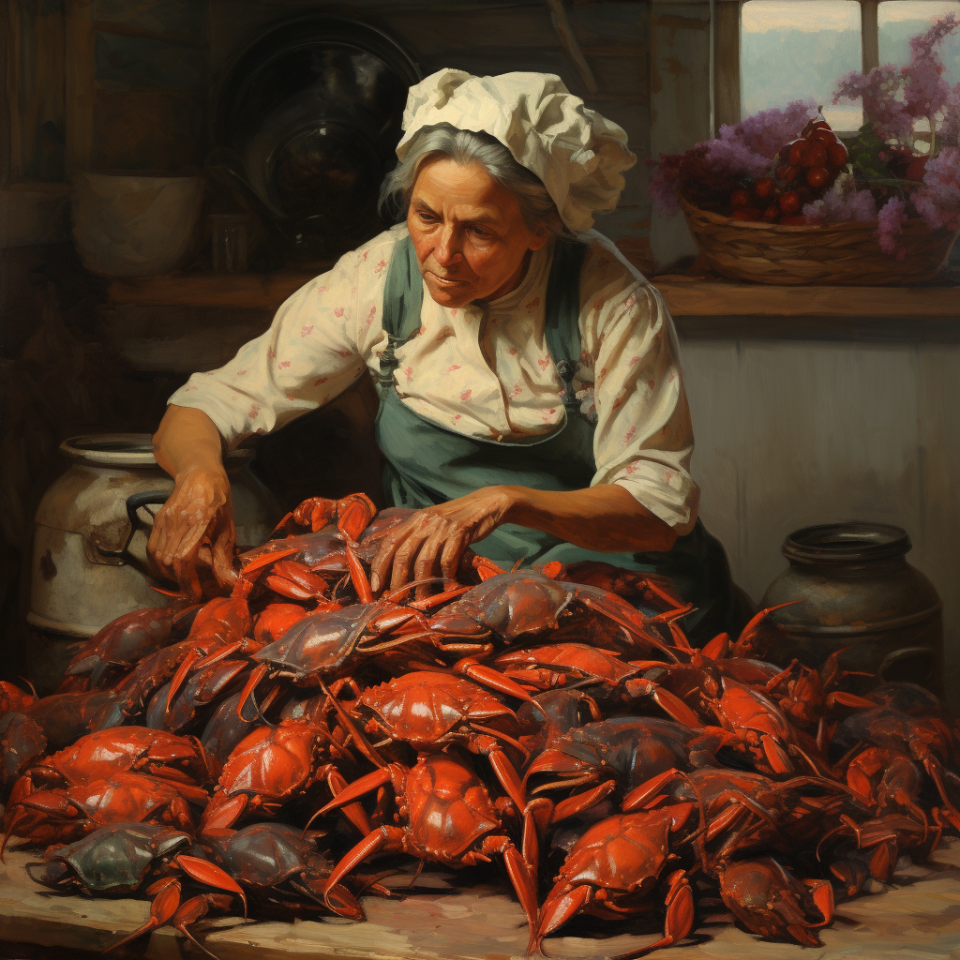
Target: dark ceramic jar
[[858, 594]]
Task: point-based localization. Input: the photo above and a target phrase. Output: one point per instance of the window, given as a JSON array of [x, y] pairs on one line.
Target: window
[[792, 49], [799, 48]]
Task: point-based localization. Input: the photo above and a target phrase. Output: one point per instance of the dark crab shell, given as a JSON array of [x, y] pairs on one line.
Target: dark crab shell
[[114, 860], [510, 604], [320, 643], [264, 855]]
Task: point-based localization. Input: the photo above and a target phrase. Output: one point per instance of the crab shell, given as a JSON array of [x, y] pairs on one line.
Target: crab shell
[[114, 860], [622, 855], [318, 642], [264, 855], [424, 708]]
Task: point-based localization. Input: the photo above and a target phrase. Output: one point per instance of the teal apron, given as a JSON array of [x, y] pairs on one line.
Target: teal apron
[[427, 464]]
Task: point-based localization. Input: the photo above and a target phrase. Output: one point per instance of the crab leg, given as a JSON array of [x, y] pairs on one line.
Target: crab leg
[[162, 909]]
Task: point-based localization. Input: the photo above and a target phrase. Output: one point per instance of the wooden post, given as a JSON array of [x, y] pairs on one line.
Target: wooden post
[[727, 63], [869, 34], [679, 102], [79, 84]]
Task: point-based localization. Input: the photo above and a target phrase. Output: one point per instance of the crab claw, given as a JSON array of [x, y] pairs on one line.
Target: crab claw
[[162, 909], [213, 876], [479, 673], [354, 514]]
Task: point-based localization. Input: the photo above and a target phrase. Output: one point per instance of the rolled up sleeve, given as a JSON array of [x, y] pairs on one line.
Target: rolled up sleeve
[[644, 436], [307, 357]]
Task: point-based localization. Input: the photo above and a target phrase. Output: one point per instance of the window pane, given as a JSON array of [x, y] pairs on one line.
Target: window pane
[[899, 20], [793, 49]]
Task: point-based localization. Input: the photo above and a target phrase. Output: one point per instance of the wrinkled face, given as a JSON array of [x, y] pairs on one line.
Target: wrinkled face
[[470, 238]]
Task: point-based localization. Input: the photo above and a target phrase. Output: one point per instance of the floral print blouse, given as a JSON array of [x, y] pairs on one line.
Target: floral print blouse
[[483, 370]]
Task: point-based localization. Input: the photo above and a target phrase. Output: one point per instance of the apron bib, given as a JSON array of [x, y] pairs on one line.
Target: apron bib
[[428, 464]]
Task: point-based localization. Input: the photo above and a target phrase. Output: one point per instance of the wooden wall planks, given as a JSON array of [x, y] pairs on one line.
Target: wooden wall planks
[[679, 102], [938, 452], [499, 36], [797, 433]]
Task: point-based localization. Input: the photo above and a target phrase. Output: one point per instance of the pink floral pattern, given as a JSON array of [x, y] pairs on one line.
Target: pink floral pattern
[[504, 387]]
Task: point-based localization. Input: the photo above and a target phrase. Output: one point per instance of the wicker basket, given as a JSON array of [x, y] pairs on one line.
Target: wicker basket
[[838, 253]]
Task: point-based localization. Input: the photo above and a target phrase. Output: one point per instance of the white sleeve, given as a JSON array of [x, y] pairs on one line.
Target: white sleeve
[[313, 351], [644, 437]]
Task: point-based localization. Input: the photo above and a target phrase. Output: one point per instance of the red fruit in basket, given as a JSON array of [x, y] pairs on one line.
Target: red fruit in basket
[[764, 188], [818, 123], [790, 202], [818, 177], [916, 169], [798, 151], [837, 154], [825, 135], [746, 213], [739, 198], [772, 213], [788, 173], [797, 220], [815, 155]]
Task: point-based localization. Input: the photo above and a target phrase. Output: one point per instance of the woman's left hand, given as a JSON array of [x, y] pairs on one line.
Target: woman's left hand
[[432, 542]]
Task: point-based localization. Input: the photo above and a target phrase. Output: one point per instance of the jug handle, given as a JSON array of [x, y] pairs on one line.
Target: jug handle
[[904, 653], [134, 503]]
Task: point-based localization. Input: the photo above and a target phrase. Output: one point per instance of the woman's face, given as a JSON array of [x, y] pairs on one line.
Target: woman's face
[[470, 238]]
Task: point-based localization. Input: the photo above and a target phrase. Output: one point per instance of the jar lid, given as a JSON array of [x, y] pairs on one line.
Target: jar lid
[[126, 450], [850, 542]]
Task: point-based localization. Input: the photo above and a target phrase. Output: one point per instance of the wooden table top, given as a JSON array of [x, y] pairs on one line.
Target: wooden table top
[[918, 917]]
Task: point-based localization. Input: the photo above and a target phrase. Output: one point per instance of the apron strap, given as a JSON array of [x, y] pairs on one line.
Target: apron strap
[[562, 312], [402, 303]]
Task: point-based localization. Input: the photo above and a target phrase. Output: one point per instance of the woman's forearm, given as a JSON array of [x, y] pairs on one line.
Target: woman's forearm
[[606, 518], [187, 439]]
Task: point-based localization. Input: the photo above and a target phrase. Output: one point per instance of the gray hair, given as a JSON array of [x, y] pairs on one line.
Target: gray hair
[[464, 147]]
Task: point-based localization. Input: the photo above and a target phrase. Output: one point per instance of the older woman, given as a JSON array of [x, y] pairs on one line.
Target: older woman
[[532, 401]]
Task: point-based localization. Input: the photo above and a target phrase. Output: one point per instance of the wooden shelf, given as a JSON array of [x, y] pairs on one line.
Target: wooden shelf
[[249, 290], [698, 297], [703, 307]]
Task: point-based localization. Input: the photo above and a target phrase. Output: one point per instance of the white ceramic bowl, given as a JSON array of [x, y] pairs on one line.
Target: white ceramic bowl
[[134, 226]]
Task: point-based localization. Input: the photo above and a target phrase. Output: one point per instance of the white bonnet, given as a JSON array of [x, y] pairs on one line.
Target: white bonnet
[[578, 154]]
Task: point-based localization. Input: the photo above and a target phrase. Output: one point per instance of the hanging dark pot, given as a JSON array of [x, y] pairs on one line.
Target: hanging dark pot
[[859, 595], [306, 124]]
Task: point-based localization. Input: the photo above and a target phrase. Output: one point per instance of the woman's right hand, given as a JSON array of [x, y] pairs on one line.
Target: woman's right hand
[[194, 531]]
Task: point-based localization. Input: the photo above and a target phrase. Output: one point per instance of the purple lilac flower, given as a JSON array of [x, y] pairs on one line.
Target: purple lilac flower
[[890, 220], [840, 206], [878, 90], [949, 132], [764, 133], [665, 185], [938, 200]]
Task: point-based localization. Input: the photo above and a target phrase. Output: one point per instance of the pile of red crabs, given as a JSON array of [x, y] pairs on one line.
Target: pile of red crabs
[[282, 751]]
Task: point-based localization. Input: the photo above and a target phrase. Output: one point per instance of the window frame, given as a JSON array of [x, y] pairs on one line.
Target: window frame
[[727, 74]]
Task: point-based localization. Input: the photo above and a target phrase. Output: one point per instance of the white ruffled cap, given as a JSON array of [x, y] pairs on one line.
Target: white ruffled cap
[[577, 153]]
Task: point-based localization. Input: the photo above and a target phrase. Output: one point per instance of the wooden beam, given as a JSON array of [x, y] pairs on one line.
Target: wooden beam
[[869, 34], [727, 64], [569, 40], [79, 84]]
